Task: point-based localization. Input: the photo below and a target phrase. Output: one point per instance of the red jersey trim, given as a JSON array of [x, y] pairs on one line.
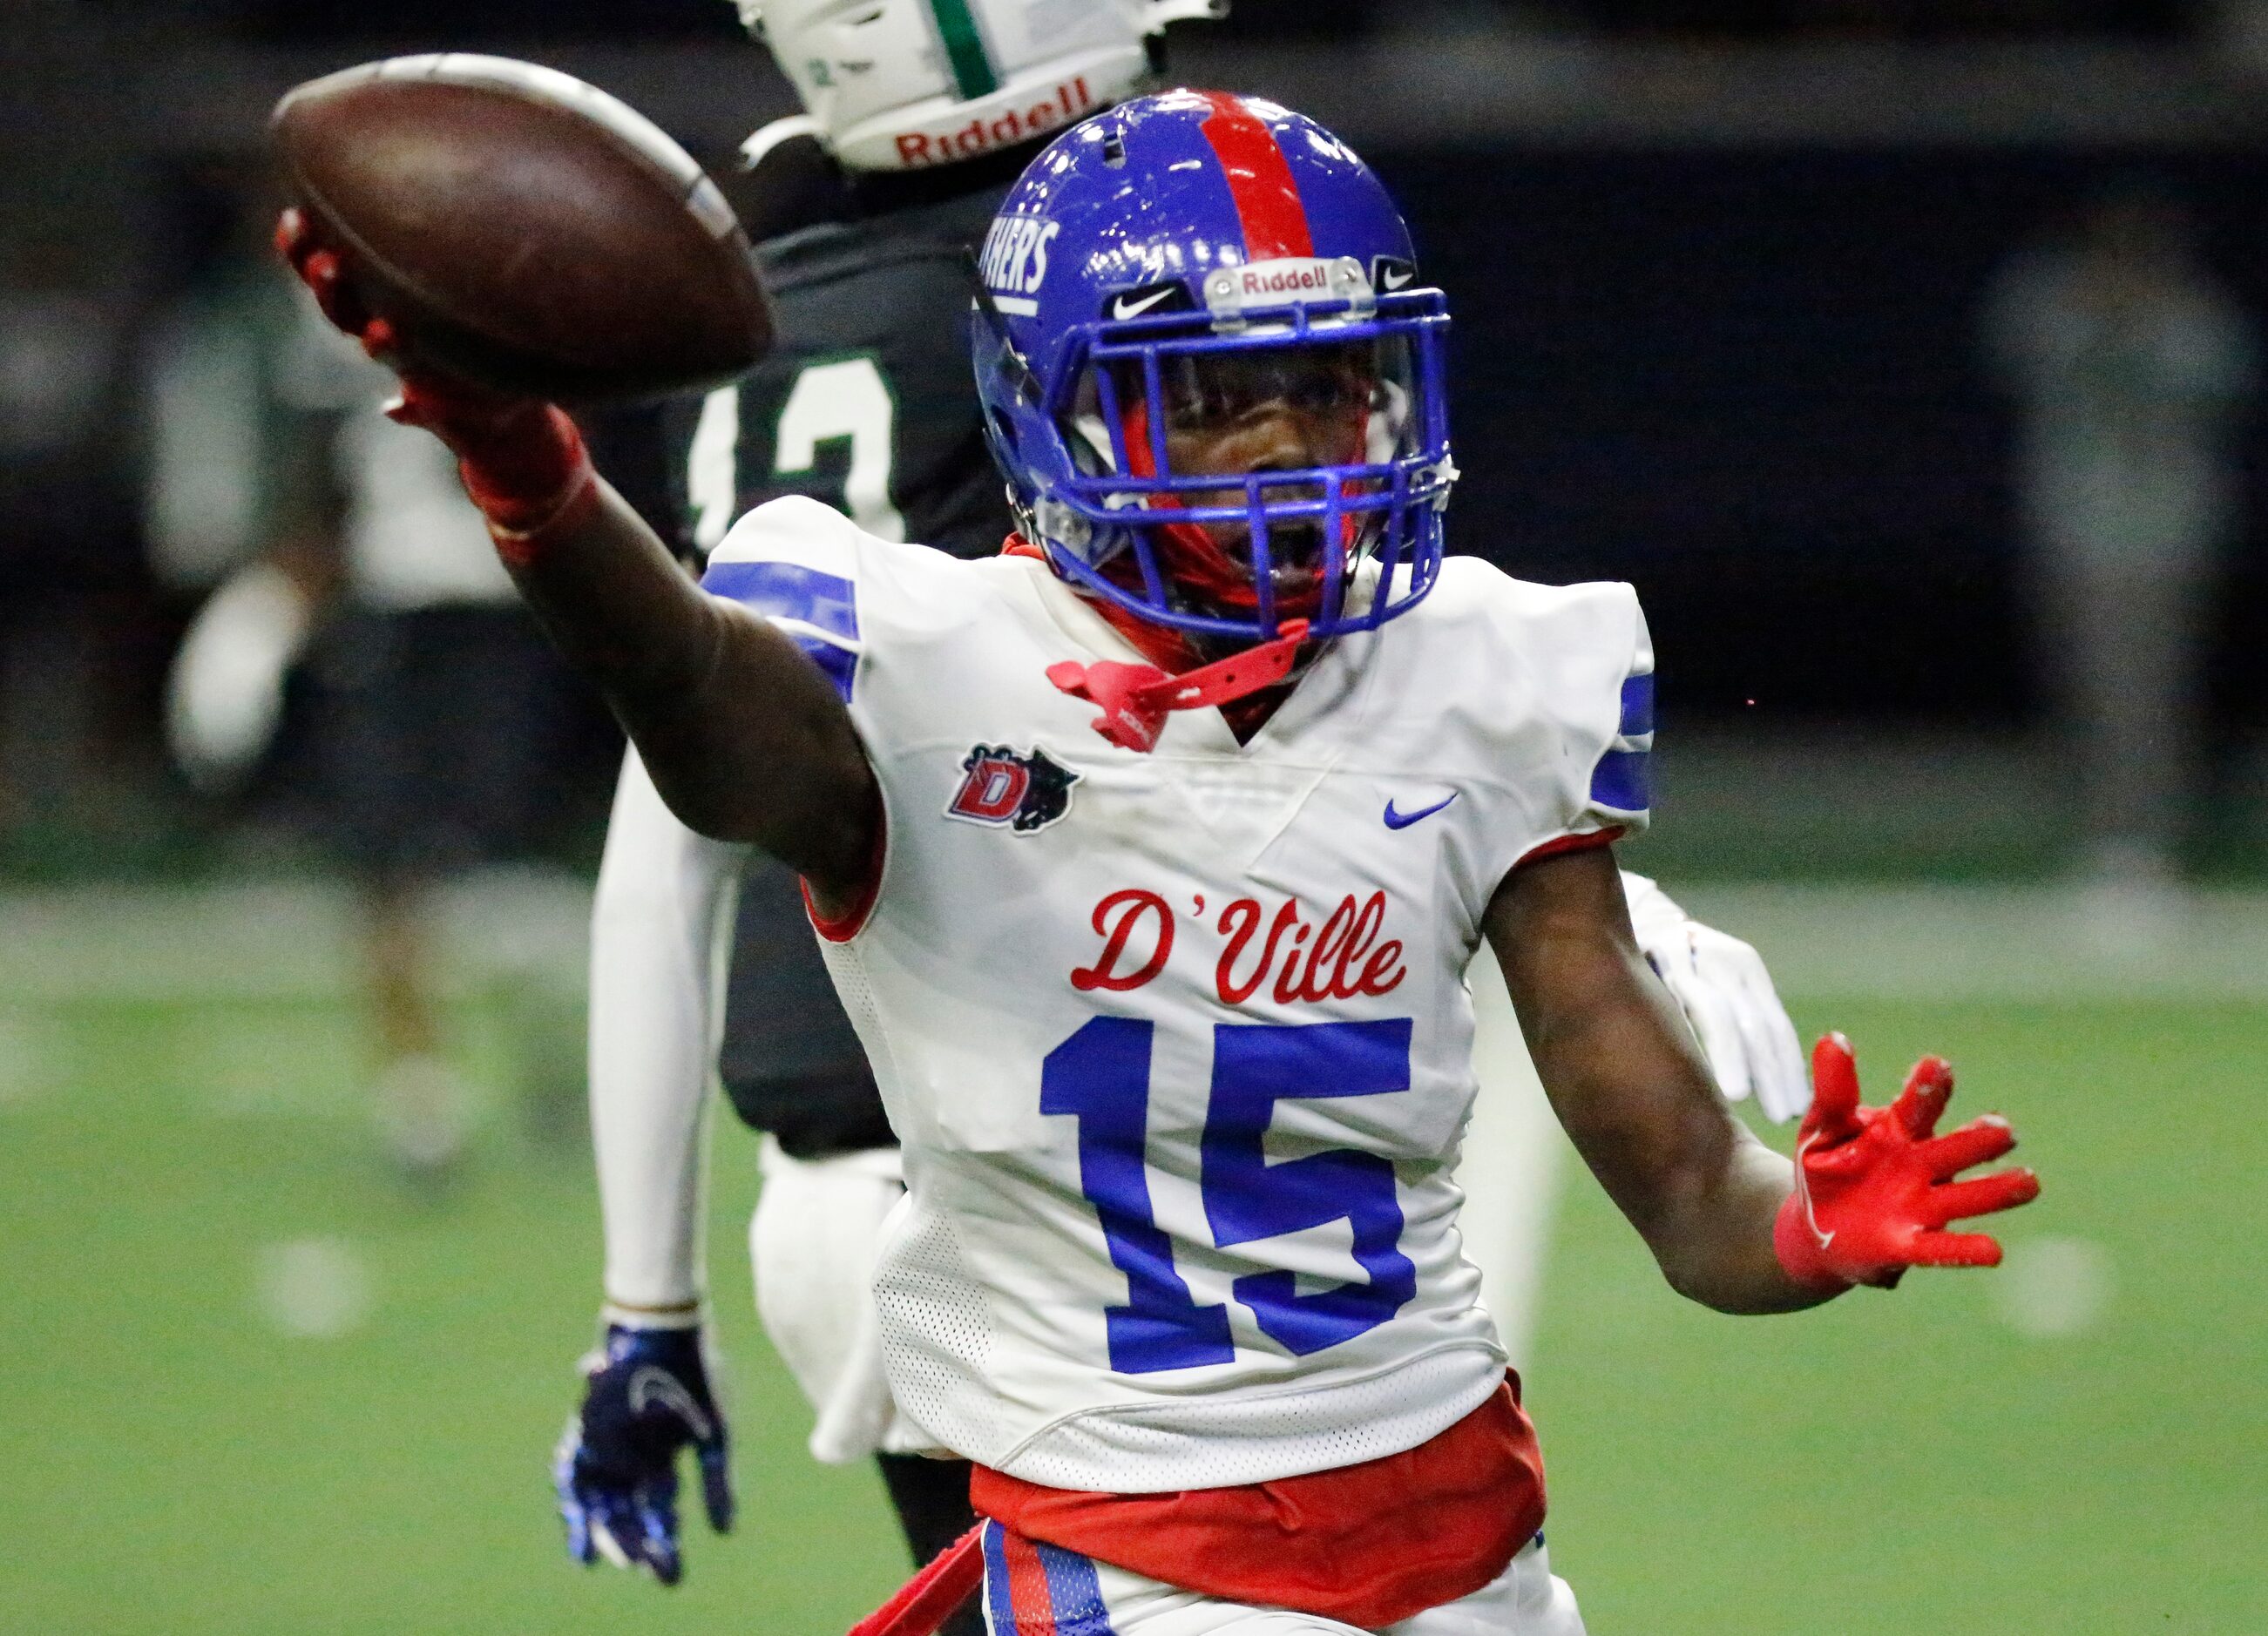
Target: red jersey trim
[[1369, 1545], [1589, 842], [852, 921]]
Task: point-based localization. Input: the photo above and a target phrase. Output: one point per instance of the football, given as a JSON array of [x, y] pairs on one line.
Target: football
[[524, 230]]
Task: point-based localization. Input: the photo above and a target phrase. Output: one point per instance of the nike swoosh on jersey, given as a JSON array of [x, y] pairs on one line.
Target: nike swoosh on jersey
[[1403, 820], [1129, 306]]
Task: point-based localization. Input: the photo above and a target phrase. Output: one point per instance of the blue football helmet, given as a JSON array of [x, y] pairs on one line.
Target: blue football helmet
[[1178, 265]]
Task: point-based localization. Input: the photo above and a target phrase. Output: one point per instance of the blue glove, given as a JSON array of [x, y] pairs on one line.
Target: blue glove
[[647, 1397]]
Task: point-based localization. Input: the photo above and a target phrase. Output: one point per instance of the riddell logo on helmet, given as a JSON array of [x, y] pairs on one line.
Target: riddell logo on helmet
[[1287, 280], [1072, 100], [1291, 279]]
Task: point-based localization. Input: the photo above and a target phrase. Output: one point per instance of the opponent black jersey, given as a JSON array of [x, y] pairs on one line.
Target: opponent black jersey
[[868, 403]]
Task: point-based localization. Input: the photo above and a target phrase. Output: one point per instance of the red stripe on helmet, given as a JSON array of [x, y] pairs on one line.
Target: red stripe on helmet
[[1259, 180]]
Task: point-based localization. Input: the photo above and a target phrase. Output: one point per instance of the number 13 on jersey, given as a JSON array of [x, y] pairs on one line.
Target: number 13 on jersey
[[846, 401], [1100, 1076]]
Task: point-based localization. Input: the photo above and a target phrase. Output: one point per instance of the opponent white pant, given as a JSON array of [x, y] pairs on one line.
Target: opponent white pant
[[1065, 1594], [812, 1244]]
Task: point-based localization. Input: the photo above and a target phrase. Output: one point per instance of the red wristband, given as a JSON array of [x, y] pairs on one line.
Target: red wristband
[[1797, 1244], [531, 494], [521, 470], [521, 546], [522, 460]]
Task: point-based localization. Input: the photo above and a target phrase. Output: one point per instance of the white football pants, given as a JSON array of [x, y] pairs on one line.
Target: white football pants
[[1075, 1596]]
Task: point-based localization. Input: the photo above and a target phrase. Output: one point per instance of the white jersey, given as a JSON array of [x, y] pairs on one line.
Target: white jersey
[[1178, 1044]]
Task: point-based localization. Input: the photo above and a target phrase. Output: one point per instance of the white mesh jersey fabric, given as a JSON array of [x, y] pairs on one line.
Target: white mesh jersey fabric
[[1179, 1044], [1233, 1437], [937, 1334]]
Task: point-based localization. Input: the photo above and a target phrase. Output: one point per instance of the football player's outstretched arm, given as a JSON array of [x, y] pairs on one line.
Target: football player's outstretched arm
[[1624, 1077], [743, 736], [1732, 1224]]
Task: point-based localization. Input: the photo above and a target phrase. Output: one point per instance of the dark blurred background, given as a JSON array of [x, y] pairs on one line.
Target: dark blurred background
[[1723, 275]]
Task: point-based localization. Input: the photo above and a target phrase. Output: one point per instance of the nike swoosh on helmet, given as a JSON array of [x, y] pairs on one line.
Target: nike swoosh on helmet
[[1134, 306]]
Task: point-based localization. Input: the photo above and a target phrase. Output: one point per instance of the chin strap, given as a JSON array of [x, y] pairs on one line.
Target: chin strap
[[1135, 699]]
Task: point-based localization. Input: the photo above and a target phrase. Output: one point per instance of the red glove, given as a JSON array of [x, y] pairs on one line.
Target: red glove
[[1874, 1187], [521, 459]]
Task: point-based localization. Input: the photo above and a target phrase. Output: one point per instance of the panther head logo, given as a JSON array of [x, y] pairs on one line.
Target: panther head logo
[[1021, 792]]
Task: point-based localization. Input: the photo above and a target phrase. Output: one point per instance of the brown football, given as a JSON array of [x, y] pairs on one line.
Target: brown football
[[525, 230]]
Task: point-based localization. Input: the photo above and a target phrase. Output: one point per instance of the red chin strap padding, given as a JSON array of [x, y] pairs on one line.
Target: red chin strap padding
[[1136, 699]]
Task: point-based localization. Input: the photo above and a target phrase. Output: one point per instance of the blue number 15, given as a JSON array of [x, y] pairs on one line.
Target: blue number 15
[[1100, 1075]]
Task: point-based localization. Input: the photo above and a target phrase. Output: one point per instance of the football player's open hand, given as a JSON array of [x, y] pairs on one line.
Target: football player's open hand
[[1875, 1188], [519, 456], [647, 1399], [327, 275]]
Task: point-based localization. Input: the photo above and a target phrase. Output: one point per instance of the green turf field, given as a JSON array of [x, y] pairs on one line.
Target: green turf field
[[2074, 1444]]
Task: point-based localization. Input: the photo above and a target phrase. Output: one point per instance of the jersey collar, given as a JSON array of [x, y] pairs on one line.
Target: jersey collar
[[1318, 719]]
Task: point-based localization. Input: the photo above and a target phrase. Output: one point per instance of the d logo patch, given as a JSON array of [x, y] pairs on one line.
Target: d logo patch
[[1024, 792]]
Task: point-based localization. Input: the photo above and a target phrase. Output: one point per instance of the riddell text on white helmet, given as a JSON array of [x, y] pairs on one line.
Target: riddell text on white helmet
[[1071, 102]]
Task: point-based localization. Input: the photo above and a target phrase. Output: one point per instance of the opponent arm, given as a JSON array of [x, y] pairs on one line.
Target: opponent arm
[[1624, 1077], [662, 895], [647, 1394], [1723, 987]]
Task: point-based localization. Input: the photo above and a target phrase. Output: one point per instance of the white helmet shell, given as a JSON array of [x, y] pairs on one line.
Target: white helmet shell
[[908, 85]]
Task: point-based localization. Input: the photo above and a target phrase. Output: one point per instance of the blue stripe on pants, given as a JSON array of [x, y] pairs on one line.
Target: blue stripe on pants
[[996, 1584], [1077, 1592]]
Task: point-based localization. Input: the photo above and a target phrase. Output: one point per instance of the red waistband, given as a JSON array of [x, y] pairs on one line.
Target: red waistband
[[1369, 1544]]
